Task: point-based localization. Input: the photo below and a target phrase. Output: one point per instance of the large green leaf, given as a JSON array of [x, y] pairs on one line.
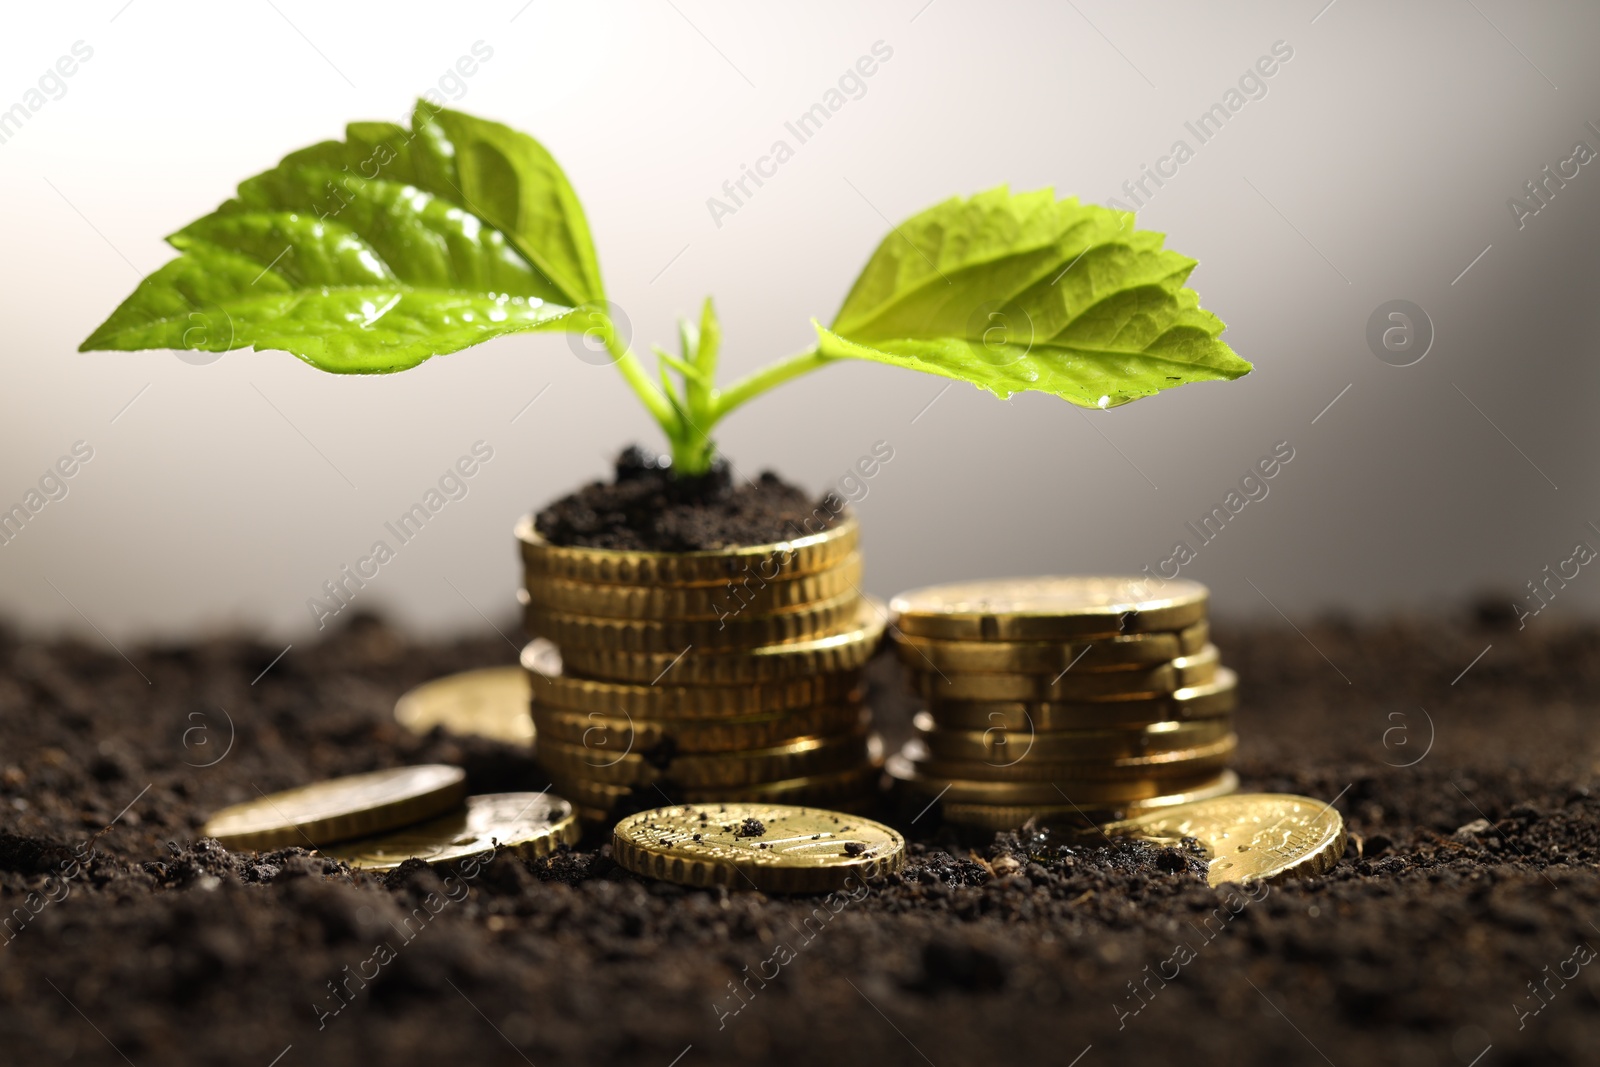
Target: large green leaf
[[374, 253], [1017, 292]]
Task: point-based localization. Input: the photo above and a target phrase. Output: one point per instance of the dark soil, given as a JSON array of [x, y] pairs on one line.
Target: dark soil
[[646, 509], [1469, 897]]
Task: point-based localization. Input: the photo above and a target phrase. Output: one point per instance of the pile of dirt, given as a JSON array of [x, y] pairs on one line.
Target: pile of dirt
[[646, 508], [1463, 917]]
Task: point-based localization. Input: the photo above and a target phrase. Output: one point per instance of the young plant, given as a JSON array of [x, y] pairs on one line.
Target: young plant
[[375, 253]]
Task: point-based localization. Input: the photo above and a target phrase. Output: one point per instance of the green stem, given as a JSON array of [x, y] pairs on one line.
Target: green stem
[[638, 379], [769, 377]]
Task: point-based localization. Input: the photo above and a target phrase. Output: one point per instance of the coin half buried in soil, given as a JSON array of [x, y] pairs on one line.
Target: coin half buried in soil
[[529, 825], [492, 703], [1049, 609], [1251, 836], [773, 848], [340, 808]]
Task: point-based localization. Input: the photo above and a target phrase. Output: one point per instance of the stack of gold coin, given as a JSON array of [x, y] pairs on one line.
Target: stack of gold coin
[[1070, 698], [698, 677]]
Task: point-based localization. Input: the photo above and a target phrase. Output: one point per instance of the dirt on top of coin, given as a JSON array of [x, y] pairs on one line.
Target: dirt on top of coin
[[645, 508]]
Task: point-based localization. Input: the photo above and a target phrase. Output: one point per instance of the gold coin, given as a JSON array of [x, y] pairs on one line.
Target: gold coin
[[1001, 746], [1218, 698], [1050, 657], [772, 848], [1251, 836], [529, 825], [340, 808], [1208, 758], [998, 817], [542, 661], [1182, 673], [773, 562], [600, 762], [749, 595], [835, 789], [1063, 792], [742, 631], [492, 703], [845, 651], [1049, 609], [627, 734]]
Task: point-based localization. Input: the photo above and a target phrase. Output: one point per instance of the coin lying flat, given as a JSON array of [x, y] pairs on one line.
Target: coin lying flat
[[1251, 836], [490, 703], [844, 651], [1050, 657], [624, 733], [340, 808], [529, 825], [792, 759], [772, 848], [783, 559], [551, 688], [1049, 609], [1218, 698], [1010, 816], [750, 594], [1181, 673], [740, 629], [999, 745]]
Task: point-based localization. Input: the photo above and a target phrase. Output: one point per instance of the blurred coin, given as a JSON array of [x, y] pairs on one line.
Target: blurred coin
[[1000, 745], [492, 703], [1181, 673], [527, 824], [1049, 609], [340, 808], [1088, 794], [1050, 657], [1194, 702], [1210, 757]]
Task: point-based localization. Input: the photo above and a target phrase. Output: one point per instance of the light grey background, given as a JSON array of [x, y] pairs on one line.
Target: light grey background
[[1378, 166]]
